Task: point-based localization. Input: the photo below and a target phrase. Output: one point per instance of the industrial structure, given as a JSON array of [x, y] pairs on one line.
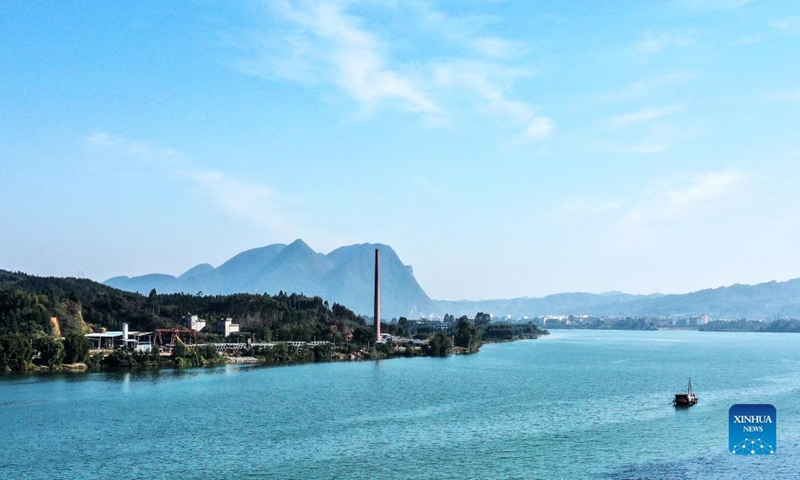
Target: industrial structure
[[121, 339], [194, 322], [226, 327], [377, 296]]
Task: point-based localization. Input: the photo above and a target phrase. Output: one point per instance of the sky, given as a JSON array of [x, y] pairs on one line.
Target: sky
[[502, 148]]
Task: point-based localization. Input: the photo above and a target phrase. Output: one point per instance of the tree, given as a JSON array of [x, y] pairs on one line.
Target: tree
[[363, 335], [152, 302], [439, 345], [76, 348], [466, 335], [179, 350], [482, 319], [16, 352], [402, 327], [51, 350]]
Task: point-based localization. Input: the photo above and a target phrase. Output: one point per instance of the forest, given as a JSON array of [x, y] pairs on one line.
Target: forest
[[48, 317]]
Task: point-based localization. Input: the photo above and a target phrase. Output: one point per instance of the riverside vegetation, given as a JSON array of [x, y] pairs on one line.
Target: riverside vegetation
[[43, 323]]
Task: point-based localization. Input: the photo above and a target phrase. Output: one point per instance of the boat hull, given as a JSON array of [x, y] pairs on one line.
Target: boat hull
[[683, 400]]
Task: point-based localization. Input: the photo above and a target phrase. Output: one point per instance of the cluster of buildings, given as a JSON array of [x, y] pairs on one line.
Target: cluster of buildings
[[223, 327], [145, 341]]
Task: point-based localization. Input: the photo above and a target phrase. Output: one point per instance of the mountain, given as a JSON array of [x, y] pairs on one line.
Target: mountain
[[343, 276], [763, 301]]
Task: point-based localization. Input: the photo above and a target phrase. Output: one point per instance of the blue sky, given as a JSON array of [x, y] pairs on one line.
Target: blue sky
[[502, 148]]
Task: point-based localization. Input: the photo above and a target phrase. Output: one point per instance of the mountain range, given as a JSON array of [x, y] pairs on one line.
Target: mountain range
[[345, 276]]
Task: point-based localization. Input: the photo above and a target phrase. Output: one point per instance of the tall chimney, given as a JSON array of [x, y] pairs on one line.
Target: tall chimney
[[377, 297]]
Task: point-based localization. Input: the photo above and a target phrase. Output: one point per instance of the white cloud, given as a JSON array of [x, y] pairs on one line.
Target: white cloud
[[661, 85], [244, 200], [667, 201], [656, 43], [642, 149], [646, 114], [490, 82], [583, 209], [497, 48], [746, 41], [248, 201], [540, 128], [785, 96], [790, 24], [703, 187], [355, 55], [110, 141], [677, 197], [713, 4], [326, 43]]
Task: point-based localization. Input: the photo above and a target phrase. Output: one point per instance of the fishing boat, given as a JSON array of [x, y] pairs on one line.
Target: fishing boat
[[685, 399]]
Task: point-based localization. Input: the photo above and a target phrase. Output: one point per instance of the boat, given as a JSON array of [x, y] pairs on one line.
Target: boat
[[686, 399]]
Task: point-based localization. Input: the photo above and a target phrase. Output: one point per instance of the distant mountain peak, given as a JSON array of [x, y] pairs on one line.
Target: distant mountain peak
[[344, 276], [197, 270]]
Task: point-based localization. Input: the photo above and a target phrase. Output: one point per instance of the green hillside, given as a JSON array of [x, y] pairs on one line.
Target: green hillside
[[36, 307]]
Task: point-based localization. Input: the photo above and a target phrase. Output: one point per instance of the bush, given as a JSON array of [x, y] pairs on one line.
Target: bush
[[76, 348], [16, 352], [51, 349], [439, 345]]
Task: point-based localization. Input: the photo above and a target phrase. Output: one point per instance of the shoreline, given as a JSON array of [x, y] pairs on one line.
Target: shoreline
[[222, 359]]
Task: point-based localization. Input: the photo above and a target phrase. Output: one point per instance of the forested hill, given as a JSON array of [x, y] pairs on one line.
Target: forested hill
[[59, 306]]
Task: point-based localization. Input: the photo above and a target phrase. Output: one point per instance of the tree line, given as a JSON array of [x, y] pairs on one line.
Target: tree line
[[43, 320]]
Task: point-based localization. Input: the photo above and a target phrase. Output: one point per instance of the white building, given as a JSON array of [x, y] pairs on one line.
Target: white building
[[194, 322], [227, 327]]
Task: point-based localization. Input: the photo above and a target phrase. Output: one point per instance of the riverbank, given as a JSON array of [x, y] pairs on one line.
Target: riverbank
[[280, 355]]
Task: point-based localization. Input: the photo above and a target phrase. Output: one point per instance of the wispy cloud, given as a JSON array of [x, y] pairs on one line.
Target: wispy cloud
[[654, 43], [325, 31], [714, 4], [666, 200], [498, 48], [702, 187], [641, 148], [646, 131], [747, 41], [583, 209], [646, 114], [488, 83], [677, 197], [661, 85], [790, 96], [244, 200], [322, 43], [789, 24], [111, 141], [539, 128]]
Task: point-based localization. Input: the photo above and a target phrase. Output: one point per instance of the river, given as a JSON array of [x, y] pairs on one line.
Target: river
[[575, 404]]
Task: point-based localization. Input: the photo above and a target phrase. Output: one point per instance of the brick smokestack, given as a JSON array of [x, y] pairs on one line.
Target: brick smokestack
[[377, 296]]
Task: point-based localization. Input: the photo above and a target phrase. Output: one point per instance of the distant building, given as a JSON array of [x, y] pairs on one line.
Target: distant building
[[194, 322], [125, 339], [227, 327]]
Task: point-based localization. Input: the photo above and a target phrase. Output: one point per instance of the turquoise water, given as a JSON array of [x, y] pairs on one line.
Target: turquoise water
[[577, 404]]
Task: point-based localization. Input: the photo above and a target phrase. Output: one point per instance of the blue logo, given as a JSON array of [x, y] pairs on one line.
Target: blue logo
[[752, 429]]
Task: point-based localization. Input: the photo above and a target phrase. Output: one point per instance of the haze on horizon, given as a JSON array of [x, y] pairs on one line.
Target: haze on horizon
[[502, 149]]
